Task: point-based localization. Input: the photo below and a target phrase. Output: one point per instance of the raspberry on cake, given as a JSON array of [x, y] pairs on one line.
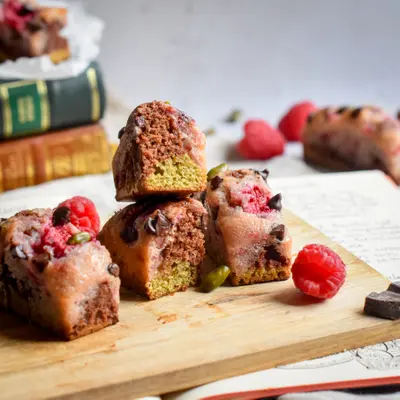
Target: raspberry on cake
[[246, 230], [30, 30], [56, 274], [345, 138], [161, 152], [158, 246]]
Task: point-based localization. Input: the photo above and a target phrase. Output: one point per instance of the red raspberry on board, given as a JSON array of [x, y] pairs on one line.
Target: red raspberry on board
[[260, 141], [293, 122], [83, 214], [318, 271]]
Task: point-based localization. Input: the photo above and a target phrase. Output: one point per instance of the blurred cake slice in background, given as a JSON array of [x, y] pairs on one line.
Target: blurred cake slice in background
[[30, 30], [350, 138]]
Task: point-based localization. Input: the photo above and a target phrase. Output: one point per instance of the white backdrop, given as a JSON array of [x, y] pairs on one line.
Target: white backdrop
[[207, 56]]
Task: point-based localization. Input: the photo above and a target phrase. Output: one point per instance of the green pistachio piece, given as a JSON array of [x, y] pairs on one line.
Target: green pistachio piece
[[213, 172], [79, 238], [210, 132], [215, 278], [234, 116]]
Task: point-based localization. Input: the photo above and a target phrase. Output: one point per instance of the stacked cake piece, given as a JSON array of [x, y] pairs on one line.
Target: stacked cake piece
[[160, 241]]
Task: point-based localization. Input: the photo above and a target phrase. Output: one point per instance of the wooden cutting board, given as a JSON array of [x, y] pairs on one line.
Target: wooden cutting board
[[192, 338]]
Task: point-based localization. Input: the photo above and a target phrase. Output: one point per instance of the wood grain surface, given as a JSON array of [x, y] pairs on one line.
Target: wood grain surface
[[192, 338]]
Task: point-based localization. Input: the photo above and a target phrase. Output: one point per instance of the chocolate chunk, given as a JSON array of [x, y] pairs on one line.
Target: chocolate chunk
[[121, 132], [394, 287], [215, 182], [41, 261], [275, 202], [113, 269], [17, 252], [264, 173], [278, 231], [356, 112], [129, 234], [341, 110], [271, 253], [61, 216], [383, 305], [157, 225], [35, 25], [310, 117], [25, 9]]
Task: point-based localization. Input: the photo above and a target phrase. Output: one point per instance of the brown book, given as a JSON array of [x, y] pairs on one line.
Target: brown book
[[60, 154]]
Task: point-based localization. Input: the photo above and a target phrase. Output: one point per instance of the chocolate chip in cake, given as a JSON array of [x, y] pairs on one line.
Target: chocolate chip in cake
[[157, 225], [310, 117], [41, 261], [271, 253], [264, 173], [129, 234], [275, 202], [25, 9], [121, 132], [341, 110], [113, 269], [278, 231], [17, 252], [215, 182], [35, 25], [356, 112], [61, 216]]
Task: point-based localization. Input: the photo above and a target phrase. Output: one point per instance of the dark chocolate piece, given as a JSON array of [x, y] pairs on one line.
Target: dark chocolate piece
[[121, 132], [356, 112], [157, 225], [275, 202], [41, 261], [17, 252], [113, 269], [385, 304], [394, 287], [215, 182], [25, 10], [129, 234], [310, 117], [278, 231], [341, 110], [61, 216], [264, 173], [271, 253]]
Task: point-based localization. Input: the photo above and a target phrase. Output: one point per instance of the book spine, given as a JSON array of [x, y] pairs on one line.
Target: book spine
[[43, 160], [28, 107]]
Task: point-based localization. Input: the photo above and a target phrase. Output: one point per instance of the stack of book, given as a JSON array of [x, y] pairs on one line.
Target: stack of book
[[51, 129]]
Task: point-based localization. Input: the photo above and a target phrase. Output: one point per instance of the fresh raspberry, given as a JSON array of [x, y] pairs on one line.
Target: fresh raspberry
[[252, 199], [293, 122], [260, 141], [55, 238], [318, 271], [83, 214]]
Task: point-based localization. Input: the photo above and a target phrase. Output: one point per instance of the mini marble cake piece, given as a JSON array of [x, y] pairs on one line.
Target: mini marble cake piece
[[158, 246], [161, 152], [69, 287], [345, 139], [246, 230], [30, 30]]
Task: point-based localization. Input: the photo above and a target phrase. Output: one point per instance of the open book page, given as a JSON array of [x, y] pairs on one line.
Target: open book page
[[359, 211]]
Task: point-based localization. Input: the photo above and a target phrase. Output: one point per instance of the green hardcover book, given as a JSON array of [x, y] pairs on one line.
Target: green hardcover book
[[28, 107]]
